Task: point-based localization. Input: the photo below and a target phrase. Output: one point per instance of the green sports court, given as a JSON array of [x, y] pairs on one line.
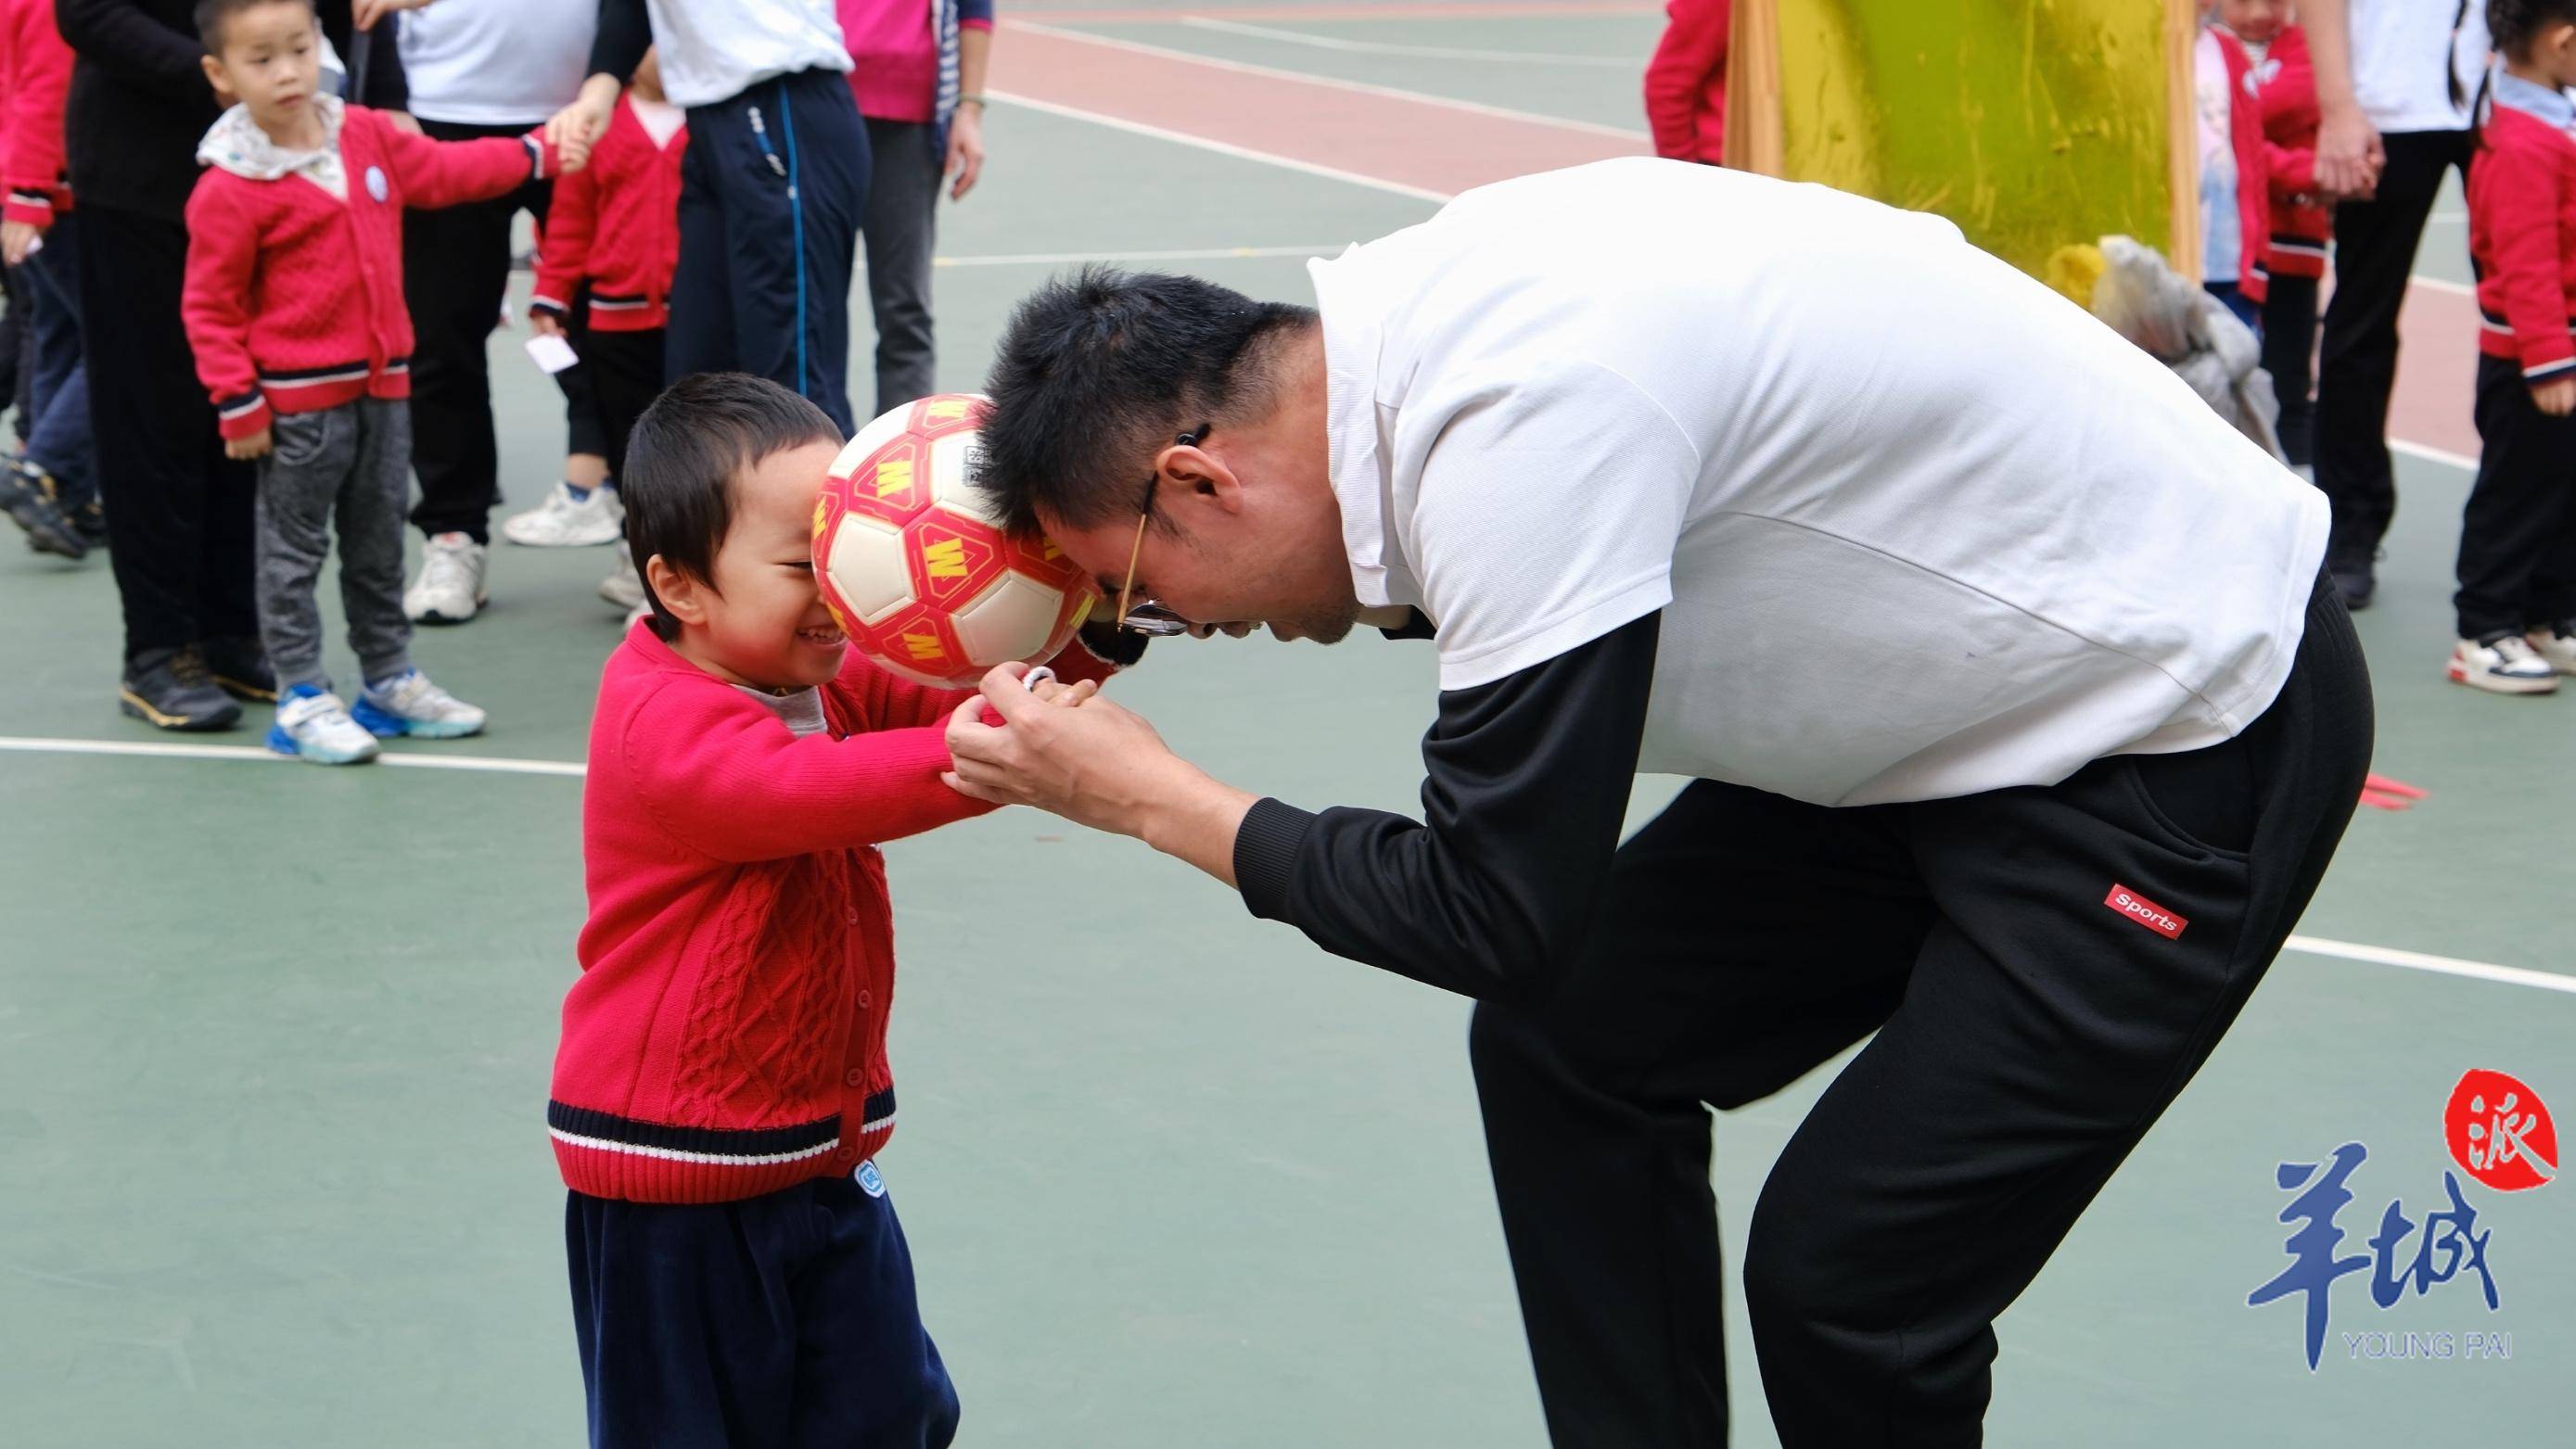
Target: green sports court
[[274, 1041]]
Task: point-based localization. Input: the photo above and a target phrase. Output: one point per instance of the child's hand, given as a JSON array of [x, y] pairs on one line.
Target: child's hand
[[257, 445], [542, 321], [17, 240], [2555, 398]]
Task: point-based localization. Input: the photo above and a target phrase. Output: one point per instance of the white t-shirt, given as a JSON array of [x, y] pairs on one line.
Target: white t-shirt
[[1918, 526], [496, 62], [714, 50], [2399, 49]]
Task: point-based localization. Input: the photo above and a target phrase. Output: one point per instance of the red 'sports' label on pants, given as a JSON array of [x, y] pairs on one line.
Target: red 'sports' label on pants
[[2145, 912]]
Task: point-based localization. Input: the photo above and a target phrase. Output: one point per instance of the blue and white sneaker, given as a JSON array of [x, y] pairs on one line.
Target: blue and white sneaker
[[408, 704], [312, 724]]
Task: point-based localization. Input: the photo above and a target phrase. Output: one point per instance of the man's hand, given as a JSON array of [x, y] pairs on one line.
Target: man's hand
[[257, 445], [2555, 398], [581, 123], [365, 13], [17, 241], [1096, 763], [965, 149], [2349, 154]]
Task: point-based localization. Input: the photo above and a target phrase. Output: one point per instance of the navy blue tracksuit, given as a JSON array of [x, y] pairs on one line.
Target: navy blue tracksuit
[[773, 189]]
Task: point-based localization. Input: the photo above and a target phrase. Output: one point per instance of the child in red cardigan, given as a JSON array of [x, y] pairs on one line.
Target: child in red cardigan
[[293, 304], [1686, 83], [604, 265], [2282, 84], [2517, 564], [51, 488], [721, 1088]]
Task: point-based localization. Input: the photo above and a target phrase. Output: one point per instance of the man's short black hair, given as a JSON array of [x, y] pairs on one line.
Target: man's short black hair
[[1100, 369], [681, 462], [213, 15]]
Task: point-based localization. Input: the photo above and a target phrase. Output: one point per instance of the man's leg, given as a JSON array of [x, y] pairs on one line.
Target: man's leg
[[2097, 938], [1744, 939], [903, 222], [2374, 251], [700, 336], [456, 267], [152, 423]]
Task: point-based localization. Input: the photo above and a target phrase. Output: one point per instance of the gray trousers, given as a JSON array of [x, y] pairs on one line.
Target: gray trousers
[[903, 222], [348, 466]]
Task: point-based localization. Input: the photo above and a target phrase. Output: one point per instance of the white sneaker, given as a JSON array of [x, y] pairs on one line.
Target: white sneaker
[[623, 587], [312, 724], [2506, 664], [564, 521], [2556, 643], [450, 587], [408, 704]]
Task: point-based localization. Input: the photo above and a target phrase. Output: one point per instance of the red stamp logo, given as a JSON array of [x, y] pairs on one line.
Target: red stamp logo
[[2145, 912], [2500, 1131]]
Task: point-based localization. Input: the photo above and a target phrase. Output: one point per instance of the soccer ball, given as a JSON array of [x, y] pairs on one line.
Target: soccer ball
[[913, 564]]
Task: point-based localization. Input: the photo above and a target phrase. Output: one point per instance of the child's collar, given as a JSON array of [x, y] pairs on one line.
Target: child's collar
[[235, 143]]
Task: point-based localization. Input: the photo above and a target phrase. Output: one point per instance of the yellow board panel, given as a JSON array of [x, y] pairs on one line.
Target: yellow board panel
[[2031, 123]]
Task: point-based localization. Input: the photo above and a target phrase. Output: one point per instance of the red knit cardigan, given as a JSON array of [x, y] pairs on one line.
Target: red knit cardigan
[[294, 297], [2285, 89], [616, 225], [2522, 240], [36, 76], [727, 1036]]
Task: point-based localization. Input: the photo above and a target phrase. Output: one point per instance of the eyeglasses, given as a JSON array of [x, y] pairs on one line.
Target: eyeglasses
[[1148, 617]]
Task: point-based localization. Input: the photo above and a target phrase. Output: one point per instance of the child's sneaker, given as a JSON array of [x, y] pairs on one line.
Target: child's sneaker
[[624, 587], [569, 518], [2555, 643], [408, 704], [450, 587], [29, 495], [2502, 664], [312, 724]]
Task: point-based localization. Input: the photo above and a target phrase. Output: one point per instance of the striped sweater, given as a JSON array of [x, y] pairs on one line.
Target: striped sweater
[[727, 1037]]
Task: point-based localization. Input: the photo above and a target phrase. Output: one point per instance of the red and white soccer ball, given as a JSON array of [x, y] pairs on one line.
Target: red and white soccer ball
[[913, 564]]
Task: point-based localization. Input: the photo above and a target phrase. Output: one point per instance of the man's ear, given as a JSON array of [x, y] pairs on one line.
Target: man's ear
[[683, 594], [1200, 476], [215, 78]]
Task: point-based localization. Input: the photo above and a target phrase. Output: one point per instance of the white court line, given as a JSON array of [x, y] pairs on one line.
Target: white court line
[[1335, 82], [1183, 254], [1426, 52], [2306, 945], [483, 764], [2434, 455], [1222, 148], [2442, 965]]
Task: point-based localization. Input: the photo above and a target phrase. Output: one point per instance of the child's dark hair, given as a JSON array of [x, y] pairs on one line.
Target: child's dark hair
[[680, 466], [214, 15], [2514, 24]]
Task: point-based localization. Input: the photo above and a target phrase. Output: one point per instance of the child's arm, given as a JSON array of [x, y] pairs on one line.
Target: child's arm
[[223, 251], [563, 246], [724, 778], [40, 78], [2293, 170], [449, 173], [2516, 188], [1693, 46]]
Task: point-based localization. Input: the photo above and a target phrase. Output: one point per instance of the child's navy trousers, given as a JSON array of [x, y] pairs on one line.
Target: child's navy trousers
[[784, 1320]]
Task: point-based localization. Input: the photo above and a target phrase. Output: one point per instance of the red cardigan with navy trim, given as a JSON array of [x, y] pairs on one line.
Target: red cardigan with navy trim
[[2522, 240], [2253, 170], [2285, 91], [616, 225], [36, 76], [294, 297], [727, 1036]]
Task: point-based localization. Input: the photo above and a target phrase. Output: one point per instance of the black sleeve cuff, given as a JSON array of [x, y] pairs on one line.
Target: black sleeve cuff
[[1265, 856], [1112, 645], [1417, 625]]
